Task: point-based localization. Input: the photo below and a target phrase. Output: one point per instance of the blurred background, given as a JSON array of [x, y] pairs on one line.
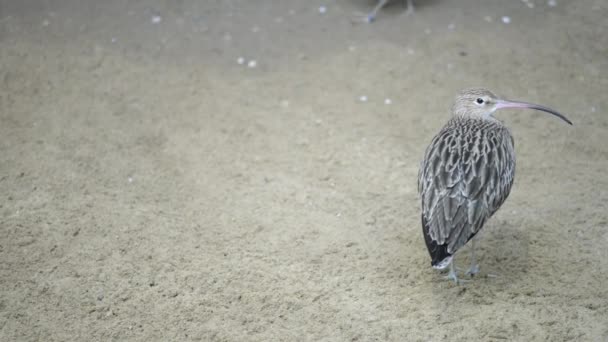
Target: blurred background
[[246, 170]]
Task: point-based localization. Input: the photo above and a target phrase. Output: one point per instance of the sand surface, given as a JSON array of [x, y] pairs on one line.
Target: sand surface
[[154, 189]]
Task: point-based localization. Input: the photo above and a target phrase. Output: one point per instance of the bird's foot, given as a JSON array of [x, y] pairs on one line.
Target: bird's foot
[[473, 270], [359, 17], [453, 276]]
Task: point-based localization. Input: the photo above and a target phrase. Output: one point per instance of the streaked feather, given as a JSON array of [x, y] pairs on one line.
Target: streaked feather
[[465, 177]]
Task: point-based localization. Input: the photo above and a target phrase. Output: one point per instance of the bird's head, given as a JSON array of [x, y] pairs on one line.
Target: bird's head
[[482, 103]]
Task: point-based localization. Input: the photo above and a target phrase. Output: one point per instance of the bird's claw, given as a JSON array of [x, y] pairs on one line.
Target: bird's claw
[[473, 270], [363, 17], [454, 277]]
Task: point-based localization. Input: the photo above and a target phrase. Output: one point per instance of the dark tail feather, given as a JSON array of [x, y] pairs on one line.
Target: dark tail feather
[[438, 252]]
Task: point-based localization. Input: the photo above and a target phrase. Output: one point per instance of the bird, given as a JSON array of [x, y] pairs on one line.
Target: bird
[[466, 175], [371, 16]]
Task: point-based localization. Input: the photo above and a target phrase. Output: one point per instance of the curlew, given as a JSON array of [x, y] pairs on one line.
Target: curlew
[[466, 175]]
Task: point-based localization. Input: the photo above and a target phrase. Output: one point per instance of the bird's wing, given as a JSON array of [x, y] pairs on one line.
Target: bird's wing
[[465, 176]]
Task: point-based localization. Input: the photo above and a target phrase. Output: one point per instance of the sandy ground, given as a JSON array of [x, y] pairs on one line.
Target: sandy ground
[[152, 188]]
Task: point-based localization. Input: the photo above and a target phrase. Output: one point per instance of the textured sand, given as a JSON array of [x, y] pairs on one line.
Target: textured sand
[[151, 188]]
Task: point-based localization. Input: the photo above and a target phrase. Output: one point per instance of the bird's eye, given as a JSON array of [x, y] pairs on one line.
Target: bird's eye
[[479, 100]]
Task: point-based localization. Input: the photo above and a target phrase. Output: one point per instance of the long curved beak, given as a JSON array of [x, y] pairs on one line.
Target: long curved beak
[[518, 104]]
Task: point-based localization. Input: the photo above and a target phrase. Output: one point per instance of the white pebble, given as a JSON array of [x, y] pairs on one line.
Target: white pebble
[[487, 18], [255, 29], [278, 20], [363, 98], [45, 23], [252, 63], [284, 103], [552, 3], [156, 19], [506, 19], [130, 180], [428, 31], [322, 9], [530, 5], [352, 48], [451, 27], [387, 101], [113, 40], [593, 109], [240, 60], [410, 51]]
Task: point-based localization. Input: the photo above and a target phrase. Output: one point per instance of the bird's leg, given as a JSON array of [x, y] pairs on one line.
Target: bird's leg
[[453, 274], [410, 7], [474, 268], [371, 16]]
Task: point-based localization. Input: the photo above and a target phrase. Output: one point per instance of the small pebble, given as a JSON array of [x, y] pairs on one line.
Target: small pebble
[[410, 51], [292, 12], [506, 19], [255, 29], [593, 109], [387, 101], [130, 180], [322, 9], [252, 63], [552, 3], [241, 60], [487, 18], [427, 31], [284, 103], [352, 48], [278, 20], [363, 98], [451, 27], [45, 23], [156, 19], [113, 40]]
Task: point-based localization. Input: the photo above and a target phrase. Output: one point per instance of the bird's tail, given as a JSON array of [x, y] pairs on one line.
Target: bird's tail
[[440, 258]]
